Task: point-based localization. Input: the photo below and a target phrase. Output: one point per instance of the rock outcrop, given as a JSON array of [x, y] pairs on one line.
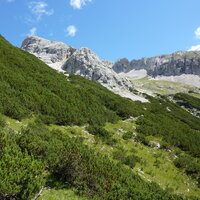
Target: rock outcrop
[[82, 62], [167, 65], [86, 63], [50, 52]]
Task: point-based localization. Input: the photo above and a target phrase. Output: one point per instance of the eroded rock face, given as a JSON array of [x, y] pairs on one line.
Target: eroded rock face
[[48, 51], [122, 65], [166, 65], [86, 63], [82, 62]]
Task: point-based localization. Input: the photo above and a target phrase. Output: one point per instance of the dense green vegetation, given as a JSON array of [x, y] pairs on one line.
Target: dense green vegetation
[[102, 133], [176, 126], [20, 174], [187, 100], [36, 156], [128, 135], [121, 155], [154, 163], [29, 86], [190, 165], [68, 161]]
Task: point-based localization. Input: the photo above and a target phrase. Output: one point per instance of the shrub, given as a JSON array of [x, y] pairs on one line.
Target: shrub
[[128, 135]]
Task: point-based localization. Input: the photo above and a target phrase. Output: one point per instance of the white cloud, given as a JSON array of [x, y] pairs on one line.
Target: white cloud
[[71, 31], [195, 48], [78, 4], [197, 33], [39, 9], [32, 31]]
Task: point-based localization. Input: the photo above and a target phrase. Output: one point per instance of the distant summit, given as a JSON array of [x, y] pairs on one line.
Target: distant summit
[[51, 52], [83, 61], [174, 64], [181, 66]]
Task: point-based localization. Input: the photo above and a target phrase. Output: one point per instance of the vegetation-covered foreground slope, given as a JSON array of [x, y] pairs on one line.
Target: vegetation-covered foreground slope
[[29, 86], [40, 156], [36, 156]]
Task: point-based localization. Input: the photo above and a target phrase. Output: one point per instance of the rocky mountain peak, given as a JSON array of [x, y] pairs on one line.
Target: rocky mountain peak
[[86, 63], [122, 65], [87, 57], [81, 61], [50, 52], [174, 64]]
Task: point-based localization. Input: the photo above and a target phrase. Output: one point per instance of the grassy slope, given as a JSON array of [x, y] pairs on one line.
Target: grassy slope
[[165, 173], [60, 194], [195, 95], [160, 86], [29, 87]]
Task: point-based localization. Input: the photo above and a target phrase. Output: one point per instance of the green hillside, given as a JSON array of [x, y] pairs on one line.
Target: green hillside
[[187, 101], [28, 86], [162, 87], [42, 146]]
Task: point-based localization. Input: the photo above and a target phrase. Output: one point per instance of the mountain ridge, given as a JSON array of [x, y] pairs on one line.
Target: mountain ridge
[[174, 64], [82, 62], [57, 54]]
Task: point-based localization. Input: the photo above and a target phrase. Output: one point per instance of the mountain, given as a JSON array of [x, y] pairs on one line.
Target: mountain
[[66, 134], [174, 64], [180, 70], [52, 53], [86, 63], [82, 62], [27, 84]]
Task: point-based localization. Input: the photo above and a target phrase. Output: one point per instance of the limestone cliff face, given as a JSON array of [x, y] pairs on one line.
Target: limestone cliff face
[[84, 62], [48, 51], [113, 76], [166, 65]]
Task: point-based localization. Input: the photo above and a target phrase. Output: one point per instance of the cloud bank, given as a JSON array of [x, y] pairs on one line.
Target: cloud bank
[[71, 30], [32, 31], [78, 4], [40, 9]]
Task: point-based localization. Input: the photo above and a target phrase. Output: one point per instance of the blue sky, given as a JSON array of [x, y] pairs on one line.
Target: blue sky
[[112, 28]]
